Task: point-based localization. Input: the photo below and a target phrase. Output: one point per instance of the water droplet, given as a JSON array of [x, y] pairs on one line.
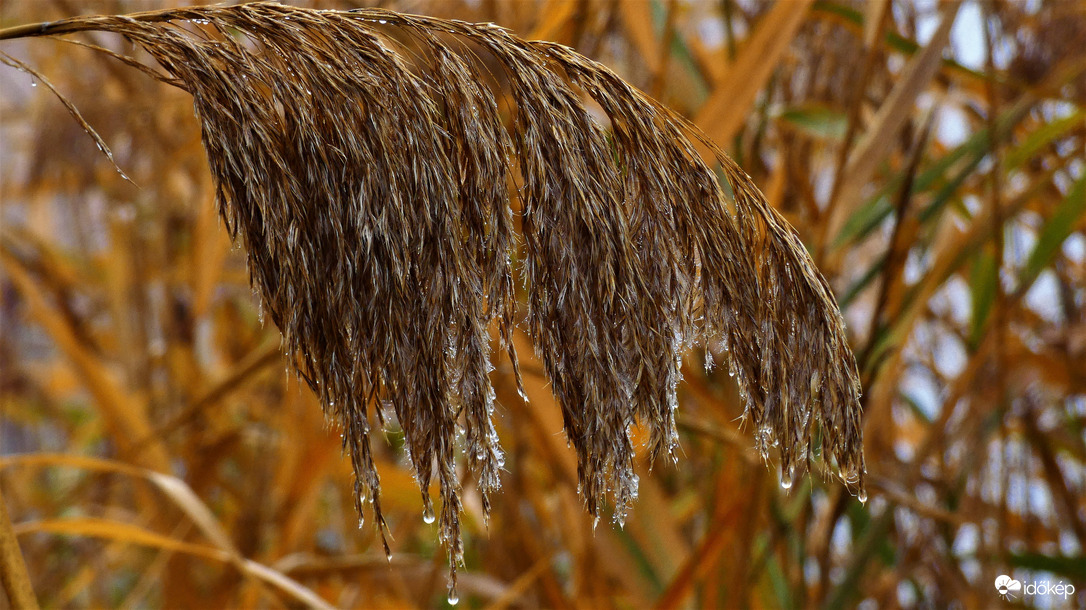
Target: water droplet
[[786, 478], [33, 84], [428, 514], [453, 598], [595, 522], [862, 497]]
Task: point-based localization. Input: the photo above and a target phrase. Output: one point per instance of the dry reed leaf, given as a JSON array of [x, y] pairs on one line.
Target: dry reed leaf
[[174, 488], [181, 495], [898, 107], [132, 534], [950, 251], [555, 17], [874, 13], [638, 21], [366, 178], [727, 108], [125, 417]]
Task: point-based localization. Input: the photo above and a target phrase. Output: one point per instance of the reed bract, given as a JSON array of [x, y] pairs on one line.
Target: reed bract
[[362, 161]]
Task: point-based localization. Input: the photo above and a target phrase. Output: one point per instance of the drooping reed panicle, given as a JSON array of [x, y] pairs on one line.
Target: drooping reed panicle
[[366, 177]]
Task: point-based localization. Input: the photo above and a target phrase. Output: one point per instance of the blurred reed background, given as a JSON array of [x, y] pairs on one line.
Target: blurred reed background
[[154, 451]]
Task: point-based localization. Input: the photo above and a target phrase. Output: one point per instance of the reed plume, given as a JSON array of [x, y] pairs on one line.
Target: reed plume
[[361, 159]]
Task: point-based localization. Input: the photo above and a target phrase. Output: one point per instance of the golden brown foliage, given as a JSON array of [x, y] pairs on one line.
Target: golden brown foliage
[[155, 454], [370, 199]]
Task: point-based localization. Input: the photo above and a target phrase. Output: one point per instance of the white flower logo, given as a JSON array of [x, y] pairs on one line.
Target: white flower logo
[[1006, 586]]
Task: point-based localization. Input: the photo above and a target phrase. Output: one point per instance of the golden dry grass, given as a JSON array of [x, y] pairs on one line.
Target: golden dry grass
[[136, 341]]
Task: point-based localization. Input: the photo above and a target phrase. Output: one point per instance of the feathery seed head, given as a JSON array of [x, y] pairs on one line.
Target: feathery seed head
[[369, 191]]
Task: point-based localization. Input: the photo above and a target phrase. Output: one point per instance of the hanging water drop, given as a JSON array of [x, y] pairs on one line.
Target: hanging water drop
[[453, 598], [786, 478], [428, 514], [862, 497]]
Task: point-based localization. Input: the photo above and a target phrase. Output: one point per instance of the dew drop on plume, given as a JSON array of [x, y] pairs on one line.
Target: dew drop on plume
[[453, 598], [428, 514], [786, 478]]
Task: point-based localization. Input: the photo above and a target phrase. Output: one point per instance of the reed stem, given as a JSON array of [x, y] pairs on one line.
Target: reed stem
[[13, 572]]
